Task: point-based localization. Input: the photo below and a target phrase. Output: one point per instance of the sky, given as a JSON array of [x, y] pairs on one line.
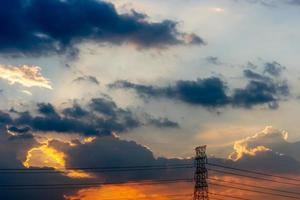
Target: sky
[[143, 82]]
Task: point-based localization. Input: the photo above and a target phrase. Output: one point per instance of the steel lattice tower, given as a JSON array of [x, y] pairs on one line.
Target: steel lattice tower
[[201, 175]]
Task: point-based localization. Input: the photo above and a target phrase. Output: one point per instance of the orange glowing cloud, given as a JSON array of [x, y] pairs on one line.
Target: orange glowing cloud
[[45, 156], [250, 145], [134, 192]]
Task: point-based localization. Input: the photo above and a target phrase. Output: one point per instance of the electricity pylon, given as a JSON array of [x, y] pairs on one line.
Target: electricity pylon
[[201, 175]]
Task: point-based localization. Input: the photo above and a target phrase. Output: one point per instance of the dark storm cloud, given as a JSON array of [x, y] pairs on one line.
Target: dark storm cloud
[[76, 119], [5, 118], [38, 27], [18, 132], [113, 152], [261, 88], [100, 117], [13, 150], [46, 109], [90, 79], [259, 92], [75, 111], [210, 92], [104, 106], [273, 68], [250, 74], [110, 151]]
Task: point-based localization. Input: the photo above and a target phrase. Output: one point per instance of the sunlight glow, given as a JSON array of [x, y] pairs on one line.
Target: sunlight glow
[[45, 156]]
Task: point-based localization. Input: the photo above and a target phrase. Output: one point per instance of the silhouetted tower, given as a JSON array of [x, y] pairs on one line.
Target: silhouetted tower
[[201, 186]]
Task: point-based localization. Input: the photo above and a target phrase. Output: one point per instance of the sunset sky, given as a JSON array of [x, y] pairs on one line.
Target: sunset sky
[[114, 83]]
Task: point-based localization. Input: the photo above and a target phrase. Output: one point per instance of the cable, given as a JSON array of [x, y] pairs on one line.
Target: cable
[[254, 186], [248, 176], [256, 191], [72, 185], [230, 196], [97, 168], [253, 172], [94, 170]]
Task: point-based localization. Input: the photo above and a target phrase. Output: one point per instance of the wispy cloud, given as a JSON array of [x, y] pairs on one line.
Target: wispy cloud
[[26, 75], [26, 92]]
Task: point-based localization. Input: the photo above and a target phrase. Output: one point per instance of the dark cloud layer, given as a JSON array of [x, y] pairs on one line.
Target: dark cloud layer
[[4, 118], [37, 27], [13, 151], [273, 68], [100, 117], [113, 152], [89, 124], [210, 92], [261, 88]]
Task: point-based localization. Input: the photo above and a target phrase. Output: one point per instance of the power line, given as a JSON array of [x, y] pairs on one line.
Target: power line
[[253, 177], [253, 172], [93, 170], [72, 185], [255, 186], [230, 196], [96, 168], [255, 191]]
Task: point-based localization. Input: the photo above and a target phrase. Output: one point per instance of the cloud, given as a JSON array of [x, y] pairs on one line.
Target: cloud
[[248, 146], [90, 79], [261, 88], [40, 27], [100, 117], [13, 152], [101, 152], [274, 68], [5, 118], [210, 92], [269, 148], [295, 2], [46, 109], [272, 3], [110, 151], [213, 60], [76, 111], [258, 92], [91, 124], [250, 74], [27, 92], [104, 106], [266, 86], [28, 76], [163, 123], [269, 138]]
